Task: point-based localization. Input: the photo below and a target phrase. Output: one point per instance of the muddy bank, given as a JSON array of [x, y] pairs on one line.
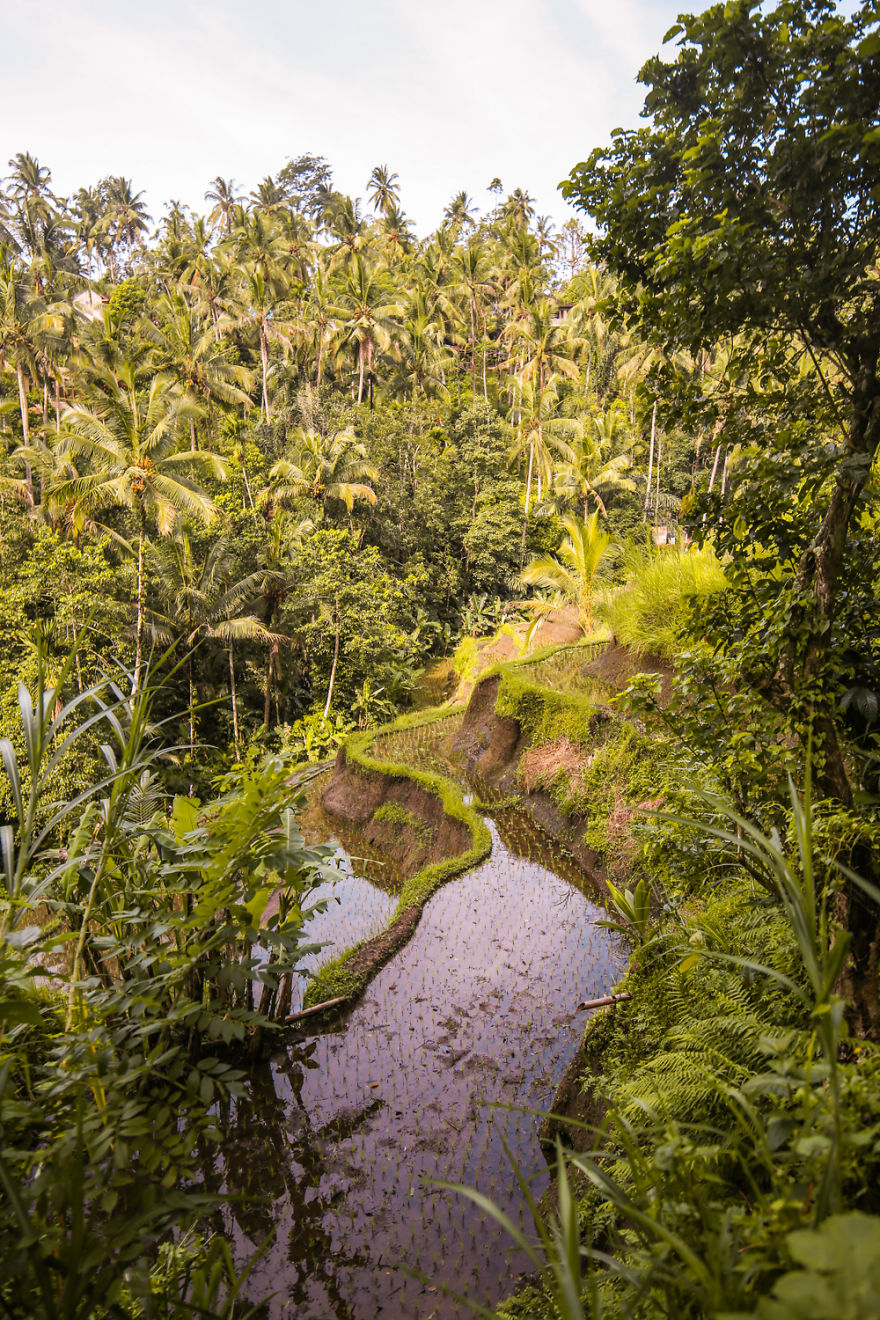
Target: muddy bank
[[489, 747], [398, 815], [486, 745], [617, 666]]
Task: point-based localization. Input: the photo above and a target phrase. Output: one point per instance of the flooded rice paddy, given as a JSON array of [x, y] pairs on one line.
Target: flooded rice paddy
[[337, 1148]]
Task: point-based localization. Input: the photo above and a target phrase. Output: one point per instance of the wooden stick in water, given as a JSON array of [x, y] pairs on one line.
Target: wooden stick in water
[[316, 1008], [604, 1000]]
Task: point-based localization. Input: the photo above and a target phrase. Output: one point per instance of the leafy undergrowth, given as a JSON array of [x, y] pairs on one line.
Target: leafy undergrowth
[[736, 1171]]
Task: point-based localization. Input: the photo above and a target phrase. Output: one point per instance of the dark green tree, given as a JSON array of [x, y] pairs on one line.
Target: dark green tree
[[746, 212]]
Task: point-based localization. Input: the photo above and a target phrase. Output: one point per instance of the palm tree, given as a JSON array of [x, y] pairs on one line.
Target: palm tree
[[318, 324], [125, 219], [397, 235], [297, 239], [473, 274], [590, 475], [366, 313], [323, 467], [542, 434], [518, 209], [268, 197], [222, 193], [200, 602], [38, 223], [256, 305], [86, 206], [270, 583], [572, 571], [26, 328], [423, 354], [546, 347], [193, 357], [137, 463], [383, 190], [459, 214]]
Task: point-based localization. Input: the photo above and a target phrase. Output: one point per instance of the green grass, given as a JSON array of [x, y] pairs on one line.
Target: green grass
[[647, 614]]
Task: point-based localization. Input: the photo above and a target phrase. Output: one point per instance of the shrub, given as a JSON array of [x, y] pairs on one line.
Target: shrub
[[648, 613]]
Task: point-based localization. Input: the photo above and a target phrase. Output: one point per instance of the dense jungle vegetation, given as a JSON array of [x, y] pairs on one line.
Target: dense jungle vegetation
[[260, 466]]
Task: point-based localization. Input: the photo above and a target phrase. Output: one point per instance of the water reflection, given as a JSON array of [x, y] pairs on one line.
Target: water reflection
[[341, 1133]]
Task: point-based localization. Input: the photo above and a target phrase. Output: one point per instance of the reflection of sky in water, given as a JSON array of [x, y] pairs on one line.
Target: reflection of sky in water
[[477, 1010], [357, 910]]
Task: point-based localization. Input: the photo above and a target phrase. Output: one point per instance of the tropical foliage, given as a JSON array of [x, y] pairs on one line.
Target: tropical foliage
[[259, 465]]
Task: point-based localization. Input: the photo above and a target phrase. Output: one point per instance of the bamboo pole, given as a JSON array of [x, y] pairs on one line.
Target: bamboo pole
[[604, 1000], [316, 1008]]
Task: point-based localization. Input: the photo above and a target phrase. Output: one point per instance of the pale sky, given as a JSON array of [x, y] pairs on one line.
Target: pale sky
[[448, 93]]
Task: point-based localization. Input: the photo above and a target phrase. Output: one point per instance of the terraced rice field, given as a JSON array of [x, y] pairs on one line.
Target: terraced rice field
[[336, 1150]]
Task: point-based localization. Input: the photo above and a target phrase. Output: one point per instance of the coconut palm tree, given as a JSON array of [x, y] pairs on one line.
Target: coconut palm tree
[[590, 475], [459, 214], [572, 571], [268, 585], [383, 189], [202, 599], [27, 327], [541, 434], [366, 311], [397, 235], [125, 219], [344, 223], [87, 208], [472, 266], [268, 197], [519, 209], [133, 451], [545, 346], [258, 304], [222, 193], [191, 355], [319, 324], [423, 355], [323, 467]]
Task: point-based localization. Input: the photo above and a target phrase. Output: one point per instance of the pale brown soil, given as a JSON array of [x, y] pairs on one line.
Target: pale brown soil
[[538, 765], [560, 628]]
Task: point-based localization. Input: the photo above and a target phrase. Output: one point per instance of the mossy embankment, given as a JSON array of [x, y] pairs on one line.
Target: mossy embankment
[[545, 729], [539, 729]]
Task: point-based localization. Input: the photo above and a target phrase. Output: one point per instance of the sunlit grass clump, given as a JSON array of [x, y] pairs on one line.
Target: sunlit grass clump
[[648, 612]]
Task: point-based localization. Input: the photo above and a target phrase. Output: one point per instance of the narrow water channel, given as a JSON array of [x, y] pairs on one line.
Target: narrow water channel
[[335, 1150]]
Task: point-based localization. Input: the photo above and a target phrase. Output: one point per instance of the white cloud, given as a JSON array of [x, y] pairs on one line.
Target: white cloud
[[448, 92]]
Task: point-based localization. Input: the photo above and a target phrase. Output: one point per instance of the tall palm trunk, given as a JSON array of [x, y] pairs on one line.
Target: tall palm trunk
[[715, 468], [360, 372], [192, 704], [264, 360], [234, 696], [25, 425], [473, 354], [139, 634], [522, 548], [267, 709], [335, 661], [650, 464]]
